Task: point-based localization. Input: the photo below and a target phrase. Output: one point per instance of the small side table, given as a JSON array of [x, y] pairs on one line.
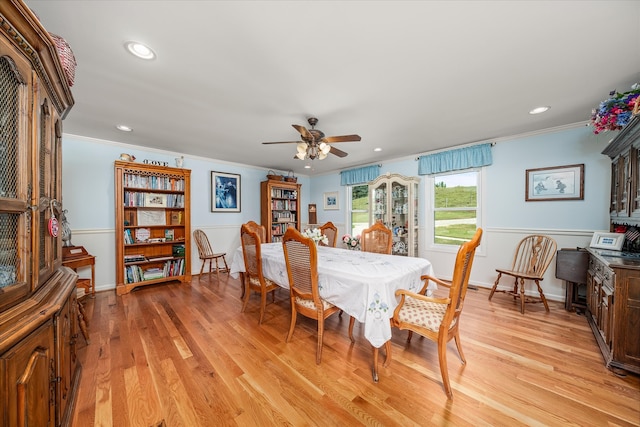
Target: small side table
[[75, 257]]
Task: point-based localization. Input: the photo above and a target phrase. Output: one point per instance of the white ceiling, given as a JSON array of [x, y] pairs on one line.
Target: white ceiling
[[408, 77]]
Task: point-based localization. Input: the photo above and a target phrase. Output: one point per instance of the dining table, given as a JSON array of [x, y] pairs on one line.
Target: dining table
[[361, 284]]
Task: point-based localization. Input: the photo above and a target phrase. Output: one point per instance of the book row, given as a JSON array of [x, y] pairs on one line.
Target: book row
[[152, 200], [135, 273], [153, 182]]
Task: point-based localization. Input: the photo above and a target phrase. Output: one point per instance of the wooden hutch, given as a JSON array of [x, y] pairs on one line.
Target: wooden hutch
[[613, 283], [39, 370]]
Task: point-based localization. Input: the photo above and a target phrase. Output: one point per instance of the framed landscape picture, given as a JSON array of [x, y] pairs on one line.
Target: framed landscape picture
[[555, 183], [225, 192]]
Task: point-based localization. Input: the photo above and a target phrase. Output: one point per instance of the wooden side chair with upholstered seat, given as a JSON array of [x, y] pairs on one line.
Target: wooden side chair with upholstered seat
[[438, 318], [205, 253], [331, 231], [532, 258], [301, 257], [259, 229], [377, 238], [253, 278]]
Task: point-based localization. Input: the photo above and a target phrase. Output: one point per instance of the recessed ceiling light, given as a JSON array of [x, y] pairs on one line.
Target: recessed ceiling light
[[124, 128], [307, 166], [539, 110], [377, 149], [140, 50]]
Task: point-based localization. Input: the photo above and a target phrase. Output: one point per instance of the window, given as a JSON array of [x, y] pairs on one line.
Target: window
[[358, 209], [453, 213]]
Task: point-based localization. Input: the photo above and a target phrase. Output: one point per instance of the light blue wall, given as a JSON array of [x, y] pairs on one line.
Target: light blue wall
[[504, 201], [88, 184], [88, 195]]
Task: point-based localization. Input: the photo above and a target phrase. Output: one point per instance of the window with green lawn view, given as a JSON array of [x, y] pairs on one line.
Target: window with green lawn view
[[455, 207], [358, 209]]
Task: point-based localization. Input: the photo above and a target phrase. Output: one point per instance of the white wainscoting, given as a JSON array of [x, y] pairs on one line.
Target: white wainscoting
[[498, 246]]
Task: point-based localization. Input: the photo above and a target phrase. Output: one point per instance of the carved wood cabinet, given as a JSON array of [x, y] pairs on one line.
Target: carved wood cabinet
[[39, 371], [613, 283]]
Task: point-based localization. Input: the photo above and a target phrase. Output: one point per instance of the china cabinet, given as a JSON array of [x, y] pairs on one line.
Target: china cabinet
[[279, 207], [613, 283], [394, 201], [39, 369], [153, 217]]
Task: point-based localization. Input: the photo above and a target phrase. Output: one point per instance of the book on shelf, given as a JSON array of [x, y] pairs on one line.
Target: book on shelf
[[134, 258], [153, 273], [168, 234], [176, 218], [160, 258], [178, 250], [128, 237]]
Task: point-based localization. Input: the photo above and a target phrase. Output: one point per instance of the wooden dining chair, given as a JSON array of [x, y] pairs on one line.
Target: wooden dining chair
[[301, 257], [532, 258], [205, 253], [254, 280], [376, 238], [331, 231], [438, 318], [259, 229]]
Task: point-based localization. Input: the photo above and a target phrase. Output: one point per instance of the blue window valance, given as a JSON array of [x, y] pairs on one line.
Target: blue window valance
[[451, 160], [359, 175]]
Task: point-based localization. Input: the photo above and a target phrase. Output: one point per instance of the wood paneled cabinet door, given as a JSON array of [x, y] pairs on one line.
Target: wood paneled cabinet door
[[624, 151], [626, 327], [28, 381], [66, 372]]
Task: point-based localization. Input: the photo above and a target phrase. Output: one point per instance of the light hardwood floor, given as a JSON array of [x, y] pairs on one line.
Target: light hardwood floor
[[184, 355]]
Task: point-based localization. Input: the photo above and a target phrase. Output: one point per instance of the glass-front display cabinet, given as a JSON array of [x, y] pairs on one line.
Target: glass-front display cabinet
[[394, 201]]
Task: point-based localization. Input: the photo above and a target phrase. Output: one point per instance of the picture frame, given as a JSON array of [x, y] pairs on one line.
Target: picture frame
[[611, 241], [330, 201], [225, 192], [151, 217], [555, 183], [155, 200]]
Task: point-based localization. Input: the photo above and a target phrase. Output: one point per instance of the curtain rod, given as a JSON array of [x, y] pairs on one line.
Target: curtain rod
[[471, 144]]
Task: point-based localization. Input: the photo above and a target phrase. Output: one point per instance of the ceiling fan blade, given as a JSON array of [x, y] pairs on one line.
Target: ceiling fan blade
[[283, 142], [337, 152], [343, 138], [303, 131]]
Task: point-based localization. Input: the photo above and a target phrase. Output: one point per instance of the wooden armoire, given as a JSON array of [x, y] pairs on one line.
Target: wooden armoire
[[39, 371]]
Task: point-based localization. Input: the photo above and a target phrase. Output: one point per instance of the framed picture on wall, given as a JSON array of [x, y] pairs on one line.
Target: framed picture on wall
[[331, 201], [555, 183], [225, 192]]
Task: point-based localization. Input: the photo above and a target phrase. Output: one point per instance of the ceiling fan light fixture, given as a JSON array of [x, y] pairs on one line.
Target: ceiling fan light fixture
[[322, 155], [302, 147], [301, 155], [324, 148]]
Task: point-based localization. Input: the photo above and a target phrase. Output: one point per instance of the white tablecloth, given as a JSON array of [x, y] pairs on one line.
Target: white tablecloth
[[362, 284]]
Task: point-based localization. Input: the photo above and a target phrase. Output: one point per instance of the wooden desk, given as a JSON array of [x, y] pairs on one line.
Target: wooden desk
[[76, 257]]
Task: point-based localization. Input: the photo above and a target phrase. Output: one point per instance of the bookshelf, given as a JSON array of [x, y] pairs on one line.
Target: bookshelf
[[153, 233], [280, 207]]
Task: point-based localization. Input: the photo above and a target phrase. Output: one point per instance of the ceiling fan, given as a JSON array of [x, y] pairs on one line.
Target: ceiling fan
[[314, 144]]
